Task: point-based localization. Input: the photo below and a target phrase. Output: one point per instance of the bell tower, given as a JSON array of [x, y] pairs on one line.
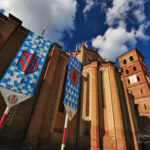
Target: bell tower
[[137, 79]]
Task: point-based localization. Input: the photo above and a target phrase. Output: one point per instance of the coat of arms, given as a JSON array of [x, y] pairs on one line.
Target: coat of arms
[[28, 62], [74, 76]]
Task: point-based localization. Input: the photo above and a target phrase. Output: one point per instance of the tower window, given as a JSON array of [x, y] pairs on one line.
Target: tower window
[[124, 61], [87, 96], [138, 78], [145, 107], [141, 91], [128, 81], [134, 68], [131, 58], [127, 71]]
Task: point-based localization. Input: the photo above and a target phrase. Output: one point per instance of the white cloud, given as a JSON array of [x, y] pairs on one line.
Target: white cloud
[[88, 6], [59, 14], [140, 32], [114, 42], [139, 15], [117, 12], [122, 8], [117, 40]]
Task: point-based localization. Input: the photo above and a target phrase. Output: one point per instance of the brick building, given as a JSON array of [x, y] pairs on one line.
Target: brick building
[[105, 119], [137, 79]]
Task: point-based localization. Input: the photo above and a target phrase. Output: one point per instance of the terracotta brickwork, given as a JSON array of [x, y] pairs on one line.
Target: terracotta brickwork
[[113, 126], [7, 28], [132, 64]]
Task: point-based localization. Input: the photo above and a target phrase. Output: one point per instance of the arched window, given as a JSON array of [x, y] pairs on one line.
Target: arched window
[[138, 78], [124, 61], [127, 71], [134, 68], [131, 58]]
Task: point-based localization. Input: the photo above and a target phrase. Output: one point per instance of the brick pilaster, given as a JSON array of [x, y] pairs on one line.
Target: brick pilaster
[[94, 109], [118, 122]]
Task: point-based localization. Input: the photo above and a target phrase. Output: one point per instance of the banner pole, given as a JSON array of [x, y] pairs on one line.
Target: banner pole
[[65, 131], [4, 117], [44, 30]]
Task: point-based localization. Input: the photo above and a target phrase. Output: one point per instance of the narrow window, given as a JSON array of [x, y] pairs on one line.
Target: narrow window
[[138, 78], [131, 58], [127, 71], [128, 81], [141, 91], [87, 96], [134, 68], [145, 107], [124, 61]]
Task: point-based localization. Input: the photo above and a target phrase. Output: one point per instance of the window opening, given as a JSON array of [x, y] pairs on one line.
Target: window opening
[[141, 91], [127, 71], [124, 61], [128, 81], [131, 58], [87, 96], [134, 68]]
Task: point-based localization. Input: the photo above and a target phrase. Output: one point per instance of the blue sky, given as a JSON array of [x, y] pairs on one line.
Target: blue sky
[[112, 26]]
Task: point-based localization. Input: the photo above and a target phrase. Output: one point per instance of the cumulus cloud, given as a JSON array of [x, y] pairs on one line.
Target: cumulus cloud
[[58, 14], [118, 38], [114, 42]]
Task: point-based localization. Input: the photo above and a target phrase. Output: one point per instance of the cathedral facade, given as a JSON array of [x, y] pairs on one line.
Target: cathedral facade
[[110, 110]]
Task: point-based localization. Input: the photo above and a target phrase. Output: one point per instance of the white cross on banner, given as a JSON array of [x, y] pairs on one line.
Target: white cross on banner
[[72, 86]]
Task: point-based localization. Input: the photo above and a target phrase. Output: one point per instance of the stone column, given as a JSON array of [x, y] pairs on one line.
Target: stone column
[[94, 108]]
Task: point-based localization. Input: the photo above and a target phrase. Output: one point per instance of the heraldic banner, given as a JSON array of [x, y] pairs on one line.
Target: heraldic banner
[[20, 80], [72, 86]]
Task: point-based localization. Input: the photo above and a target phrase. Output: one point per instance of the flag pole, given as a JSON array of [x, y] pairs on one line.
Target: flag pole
[[4, 117], [44, 30], [65, 131]]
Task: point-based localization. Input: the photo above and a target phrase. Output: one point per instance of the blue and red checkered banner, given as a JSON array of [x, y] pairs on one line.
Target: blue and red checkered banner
[[20, 80], [72, 86]]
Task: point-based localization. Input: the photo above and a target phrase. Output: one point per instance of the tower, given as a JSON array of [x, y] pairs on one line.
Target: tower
[[137, 79]]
